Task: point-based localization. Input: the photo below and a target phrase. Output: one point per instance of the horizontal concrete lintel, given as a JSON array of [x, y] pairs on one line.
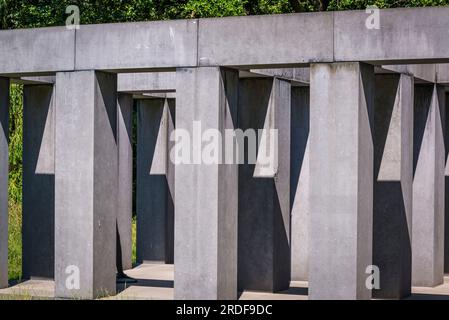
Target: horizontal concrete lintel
[[286, 40]]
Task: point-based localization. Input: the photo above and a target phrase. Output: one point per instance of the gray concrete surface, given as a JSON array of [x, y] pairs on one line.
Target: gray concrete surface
[[38, 198], [125, 179], [393, 176], [264, 204], [428, 186], [4, 173], [86, 173], [299, 188], [341, 180], [206, 194], [155, 198]]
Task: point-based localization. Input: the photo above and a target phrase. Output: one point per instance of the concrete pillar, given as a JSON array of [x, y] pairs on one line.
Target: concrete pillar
[[86, 184], [4, 173], [38, 211], [299, 183], [341, 180], [446, 187], [264, 198], [428, 187], [155, 194], [393, 176], [125, 181], [206, 192]]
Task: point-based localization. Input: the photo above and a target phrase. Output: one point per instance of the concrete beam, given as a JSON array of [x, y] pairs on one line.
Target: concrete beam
[[155, 193], [154, 82], [38, 211], [35, 51], [264, 203], [138, 45], [341, 180], [206, 194], [125, 180], [299, 188], [86, 184], [4, 174], [261, 41], [428, 186], [393, 176], [421, 72]]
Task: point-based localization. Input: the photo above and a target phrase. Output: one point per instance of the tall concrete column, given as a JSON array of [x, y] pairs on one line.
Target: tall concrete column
[[86, 184], [341, 180], [38, 212], [264, 197], [428, 186], [125, 181], [446, 187], [155, 193], [4, 173], [205, 192], [393, 176], [299, 187]]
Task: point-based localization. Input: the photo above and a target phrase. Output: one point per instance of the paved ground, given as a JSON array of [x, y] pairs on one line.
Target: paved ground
[[155, 282]]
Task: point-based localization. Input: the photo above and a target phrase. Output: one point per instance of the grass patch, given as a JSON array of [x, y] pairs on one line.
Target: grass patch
[[15, 241]]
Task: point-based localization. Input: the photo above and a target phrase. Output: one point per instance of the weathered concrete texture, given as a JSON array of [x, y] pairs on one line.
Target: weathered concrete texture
[[4, 173], [86, 193], [442, 73], [299, 182], [428, 186], [265, 40], [125, 180], [341, 180], [141, 45], [446, 188], [37, 50], [264, 203], [395, 39], [155, 194], [393, 176], [206, 194], [421, 72], [38, 212], [147, 82]]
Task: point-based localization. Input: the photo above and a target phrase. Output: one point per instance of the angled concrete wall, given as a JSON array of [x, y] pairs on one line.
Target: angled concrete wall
[[155, 194], [299, 188], [341, 180], [125, 180], [428, 186], [86, 181], [206, 194], [38, 211], [393, 176], [264, 204], [4, 173]]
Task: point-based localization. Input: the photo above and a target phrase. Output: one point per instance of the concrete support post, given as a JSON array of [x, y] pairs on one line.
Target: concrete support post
[[86, 193], [155, 194], [125, 181], [393, 176], [446, 187], [38, 211], [299, 187], [341, 180], [206, 191], [264, 195], [428, 186], [4, 173]]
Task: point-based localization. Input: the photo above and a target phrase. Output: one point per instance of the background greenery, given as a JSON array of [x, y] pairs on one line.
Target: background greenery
[[41, 13]]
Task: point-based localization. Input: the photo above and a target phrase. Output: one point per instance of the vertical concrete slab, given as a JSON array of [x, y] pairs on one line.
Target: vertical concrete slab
[[86, 186], [264, 200], [205, 193], [4, 173], [446, 188], [428, 186], [38, 212], [125, 181], [341, 180], [393, 176], [299, 187], [155, 207]]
